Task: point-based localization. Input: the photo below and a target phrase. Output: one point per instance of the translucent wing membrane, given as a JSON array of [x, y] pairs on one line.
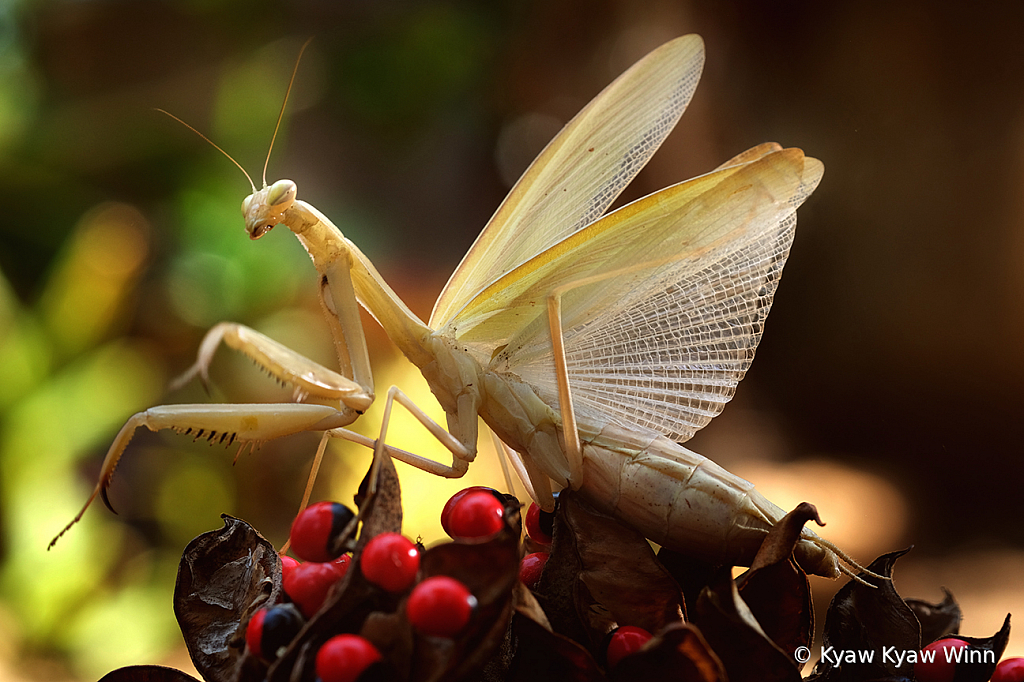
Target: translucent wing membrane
[[582, 170], [663, 301], [672, 360]]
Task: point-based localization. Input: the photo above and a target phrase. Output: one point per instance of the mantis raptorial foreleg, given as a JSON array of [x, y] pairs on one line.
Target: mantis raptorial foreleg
[[256, 423], [309, 378], [244, 423]]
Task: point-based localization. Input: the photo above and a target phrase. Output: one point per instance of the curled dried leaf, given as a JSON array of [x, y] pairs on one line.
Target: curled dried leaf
[[556, 591], [868, 618], [147, 673], [600, 574], [380, 509], [524, 602], [224, 576], [782, 539], [737, 638], [979, 662], [679, 653], [544, 656], [937, 620], [776, 589]]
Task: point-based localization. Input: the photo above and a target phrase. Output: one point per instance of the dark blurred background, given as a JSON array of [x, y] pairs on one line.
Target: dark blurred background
[[887, 387]]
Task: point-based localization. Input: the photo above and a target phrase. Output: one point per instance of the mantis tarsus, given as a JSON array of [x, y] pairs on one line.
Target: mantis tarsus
[[590, 345]]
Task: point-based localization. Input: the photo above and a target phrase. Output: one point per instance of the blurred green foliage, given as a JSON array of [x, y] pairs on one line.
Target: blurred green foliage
[[125, 243]]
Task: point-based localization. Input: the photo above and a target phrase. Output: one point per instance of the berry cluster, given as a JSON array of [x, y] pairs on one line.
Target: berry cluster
[[393, 609], [437, 606], [313, 535]]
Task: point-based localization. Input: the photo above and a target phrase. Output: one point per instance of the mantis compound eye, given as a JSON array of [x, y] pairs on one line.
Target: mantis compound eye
[[281, 195]]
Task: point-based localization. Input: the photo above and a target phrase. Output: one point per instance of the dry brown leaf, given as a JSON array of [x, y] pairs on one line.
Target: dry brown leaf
[[776, 589], [868, 618], [734, 634], [223, 577], [937, 620], [147, 673], [544, 656], [678, 653], [601, 574]]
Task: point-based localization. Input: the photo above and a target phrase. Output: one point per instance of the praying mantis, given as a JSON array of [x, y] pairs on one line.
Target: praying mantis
[[590, 344]]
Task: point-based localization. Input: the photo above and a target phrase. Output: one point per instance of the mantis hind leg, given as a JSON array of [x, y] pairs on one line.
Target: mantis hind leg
[[570, 433], [507, 455]]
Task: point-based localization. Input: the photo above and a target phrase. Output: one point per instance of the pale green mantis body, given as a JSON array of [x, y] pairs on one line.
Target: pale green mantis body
[[589, 345]]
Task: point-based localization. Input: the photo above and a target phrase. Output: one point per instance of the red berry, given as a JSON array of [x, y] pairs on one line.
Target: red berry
[[446, 512], [538, 524], [943, 665], [440, 606], [308, 584], [1009, 670], [343, 658], [624, 641], [271, 629], [287, 564], [390, 561], [316, 527], [531, 567], [477, 514], [254, 633]]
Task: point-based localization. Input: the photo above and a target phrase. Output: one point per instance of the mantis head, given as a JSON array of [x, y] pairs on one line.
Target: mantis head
[[265, 208]]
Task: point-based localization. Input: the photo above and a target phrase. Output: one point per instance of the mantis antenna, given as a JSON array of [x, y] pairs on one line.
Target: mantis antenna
[[280, 115], [215, 146], [277, 126]]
